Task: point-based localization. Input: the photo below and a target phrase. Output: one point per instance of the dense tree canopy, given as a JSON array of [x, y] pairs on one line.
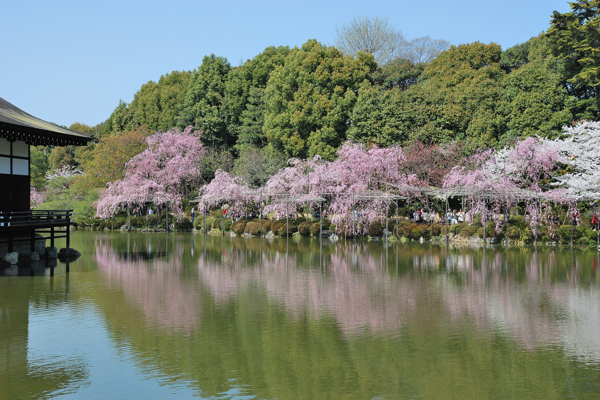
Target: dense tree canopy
[[310, 98], [204, 106], [575, 41]]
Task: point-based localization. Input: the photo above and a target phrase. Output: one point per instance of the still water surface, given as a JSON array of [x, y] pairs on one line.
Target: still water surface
[[186, 316]]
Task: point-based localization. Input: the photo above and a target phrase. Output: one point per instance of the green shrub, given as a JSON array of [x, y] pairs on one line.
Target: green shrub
[[513, 232], [516, 219], [435, 229], [239, 226], [266, 226], [444, 229], [277, 225], [119, 222], [183, 225], [315, 229], [283, 231], [588, 232], [405, 228], [490, 230], [456, 228], [419, 231], [375, 229], [564, 232], [526, 234], [304, 229], [468, 231], [252, 228], [209, 223], [584, 241], [218, 224]]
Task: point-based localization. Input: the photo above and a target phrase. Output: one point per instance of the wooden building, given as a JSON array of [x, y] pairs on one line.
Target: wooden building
[[18, 131]]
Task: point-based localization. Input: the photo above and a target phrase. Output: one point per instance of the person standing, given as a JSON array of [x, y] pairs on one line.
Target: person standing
[[193, 214], [595, 221]]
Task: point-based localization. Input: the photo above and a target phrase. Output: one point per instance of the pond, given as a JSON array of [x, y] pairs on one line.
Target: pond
[[187, 316]]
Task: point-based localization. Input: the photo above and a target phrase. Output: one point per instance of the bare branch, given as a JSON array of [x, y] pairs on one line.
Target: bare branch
[[375, 36]]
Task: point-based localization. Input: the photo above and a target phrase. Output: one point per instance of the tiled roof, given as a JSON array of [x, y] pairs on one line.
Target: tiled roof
[[16, 124]]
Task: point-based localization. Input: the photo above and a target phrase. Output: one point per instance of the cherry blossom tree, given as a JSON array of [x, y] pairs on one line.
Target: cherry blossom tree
[[356, 171], [162, 174], [36, 198], [495, 180], [579, 146], [225, 188]]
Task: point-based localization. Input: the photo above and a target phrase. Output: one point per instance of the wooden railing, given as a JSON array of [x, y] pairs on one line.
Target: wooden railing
[[28, 226], [14, 220]]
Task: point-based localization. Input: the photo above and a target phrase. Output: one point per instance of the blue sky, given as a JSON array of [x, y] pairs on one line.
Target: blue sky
[[71, 61]]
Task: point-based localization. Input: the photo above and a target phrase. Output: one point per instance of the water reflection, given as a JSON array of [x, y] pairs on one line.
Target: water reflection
[[25, 373], [304, 319], [151, 281]]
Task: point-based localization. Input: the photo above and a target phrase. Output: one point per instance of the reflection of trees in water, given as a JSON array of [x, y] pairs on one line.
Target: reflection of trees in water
[[536, 297], [299, 324], [152, 282], [351, 286], [21, 374], [530, 296], [527, 295]]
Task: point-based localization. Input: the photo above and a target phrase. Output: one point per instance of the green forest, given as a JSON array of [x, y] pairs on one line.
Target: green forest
[[305, 101]]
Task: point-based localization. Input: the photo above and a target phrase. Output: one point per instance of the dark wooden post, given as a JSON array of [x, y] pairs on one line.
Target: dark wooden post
[[446, 220], [572, 223], [483, 220], [320, 219], [260, 216]]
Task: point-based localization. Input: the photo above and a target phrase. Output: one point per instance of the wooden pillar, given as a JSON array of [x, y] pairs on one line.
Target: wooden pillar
[[386, 225], [287, 218], [572, 222], [320, 220], [537, 221], [52, 237], [353, 219], [397, 219], [260, 217], [446, 220], [483, 220]]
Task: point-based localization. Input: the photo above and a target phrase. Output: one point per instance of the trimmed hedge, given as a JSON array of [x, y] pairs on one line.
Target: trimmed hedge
[[253, 228], [315, 228], [183, 225], [239, 226], [304, 229], [375, 229]]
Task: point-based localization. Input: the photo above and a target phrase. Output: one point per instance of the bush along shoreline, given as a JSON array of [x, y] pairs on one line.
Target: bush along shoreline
[[514, 232]]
